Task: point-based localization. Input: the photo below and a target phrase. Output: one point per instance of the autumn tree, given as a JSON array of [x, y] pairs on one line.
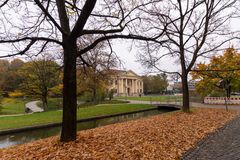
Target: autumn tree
[[39, 76], [222, 68], [4, 65], [9, 78], [94, 77], [30, 27], [12, 77], [155, 84], [191, 29]]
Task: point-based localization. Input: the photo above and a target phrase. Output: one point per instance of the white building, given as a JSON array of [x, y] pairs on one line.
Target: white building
[[126, 83]]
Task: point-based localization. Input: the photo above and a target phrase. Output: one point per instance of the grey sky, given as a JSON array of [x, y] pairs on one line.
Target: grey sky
[[129, 56]]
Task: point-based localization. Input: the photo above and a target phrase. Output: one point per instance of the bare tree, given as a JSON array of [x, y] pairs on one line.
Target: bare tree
[[98, 70], [192, 29], [30, 27]]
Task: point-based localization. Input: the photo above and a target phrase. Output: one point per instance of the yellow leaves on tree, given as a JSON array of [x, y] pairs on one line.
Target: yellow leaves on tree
[[224, 67]]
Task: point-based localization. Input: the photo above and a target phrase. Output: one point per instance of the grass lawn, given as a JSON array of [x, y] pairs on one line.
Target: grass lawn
[[13, 106], [9, 122], [56, 103], [53, 104], [160, 98]]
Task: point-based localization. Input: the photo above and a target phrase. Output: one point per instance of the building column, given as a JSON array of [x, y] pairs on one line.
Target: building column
[[132, 89], [122, 87], [135, 86], [126, 90]]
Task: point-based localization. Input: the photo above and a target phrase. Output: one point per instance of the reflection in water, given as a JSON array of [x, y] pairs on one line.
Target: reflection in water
[[28, 136]]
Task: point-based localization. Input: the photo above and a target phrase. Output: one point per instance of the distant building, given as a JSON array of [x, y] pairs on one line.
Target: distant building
[[177, 86], [170, 87], [191, 85], [126, 83]]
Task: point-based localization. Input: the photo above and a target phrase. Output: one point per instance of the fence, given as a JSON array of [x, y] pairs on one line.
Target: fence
[[222, 100]]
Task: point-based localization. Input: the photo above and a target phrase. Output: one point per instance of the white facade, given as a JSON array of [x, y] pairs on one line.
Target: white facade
[[126, 83]]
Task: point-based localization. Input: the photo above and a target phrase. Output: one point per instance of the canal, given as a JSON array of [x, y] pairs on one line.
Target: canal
[[11, 139]]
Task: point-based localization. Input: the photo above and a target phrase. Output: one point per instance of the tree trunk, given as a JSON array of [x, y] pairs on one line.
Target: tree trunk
[[94, 98], [186, 106], [69, 123], [44, 102]]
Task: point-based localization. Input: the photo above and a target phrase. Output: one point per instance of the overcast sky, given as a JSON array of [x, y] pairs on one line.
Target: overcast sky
[[128, 54]]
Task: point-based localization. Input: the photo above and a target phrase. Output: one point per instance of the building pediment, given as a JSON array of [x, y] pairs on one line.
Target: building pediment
[[131, 73], [128, 73]]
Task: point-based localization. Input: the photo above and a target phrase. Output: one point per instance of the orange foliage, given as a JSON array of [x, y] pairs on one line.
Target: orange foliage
[[158, 137]]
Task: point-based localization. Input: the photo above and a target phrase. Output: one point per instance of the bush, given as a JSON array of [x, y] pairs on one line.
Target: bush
[[56, 91], [110, 94], [16, 94], [5, 94]]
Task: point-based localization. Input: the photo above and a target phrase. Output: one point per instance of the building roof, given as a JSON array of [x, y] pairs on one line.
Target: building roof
[[129, 73]]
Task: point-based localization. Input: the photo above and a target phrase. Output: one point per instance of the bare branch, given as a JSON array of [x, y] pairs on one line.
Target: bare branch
[[136, 37], [4, 3], [48, 15], [86, 11]]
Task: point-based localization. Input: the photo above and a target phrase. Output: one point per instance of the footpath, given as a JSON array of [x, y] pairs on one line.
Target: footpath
[[221, 145], [33, 106], [192, 104]]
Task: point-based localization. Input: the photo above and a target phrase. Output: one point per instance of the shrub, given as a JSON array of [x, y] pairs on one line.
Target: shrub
[[56, 91], [110, 94], [16, 94]]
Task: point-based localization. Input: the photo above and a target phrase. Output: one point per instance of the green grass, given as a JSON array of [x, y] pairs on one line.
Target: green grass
[[11, 122], [161, 98], [53, 104], [56, 103], [89, 104], [13, 106]]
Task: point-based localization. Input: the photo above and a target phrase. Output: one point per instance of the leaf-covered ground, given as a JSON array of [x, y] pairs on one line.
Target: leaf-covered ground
[[158, 137]]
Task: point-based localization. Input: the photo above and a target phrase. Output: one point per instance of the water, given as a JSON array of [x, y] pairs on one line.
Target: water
[[28, 136]]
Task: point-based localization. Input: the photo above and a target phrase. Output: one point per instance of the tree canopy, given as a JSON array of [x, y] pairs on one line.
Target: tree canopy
[[188, 30], [221, 68], [39, 76], [155, 84]]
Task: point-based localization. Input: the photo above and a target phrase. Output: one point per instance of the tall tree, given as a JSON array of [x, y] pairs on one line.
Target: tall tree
[[155, 84], [9, 78], [4, 66], [38, 77], [98, 70], [192, 29], [12, 77], [223, 68], [33, 26]]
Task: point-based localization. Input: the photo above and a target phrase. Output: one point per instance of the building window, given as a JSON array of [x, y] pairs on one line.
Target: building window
[[116, 82]]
